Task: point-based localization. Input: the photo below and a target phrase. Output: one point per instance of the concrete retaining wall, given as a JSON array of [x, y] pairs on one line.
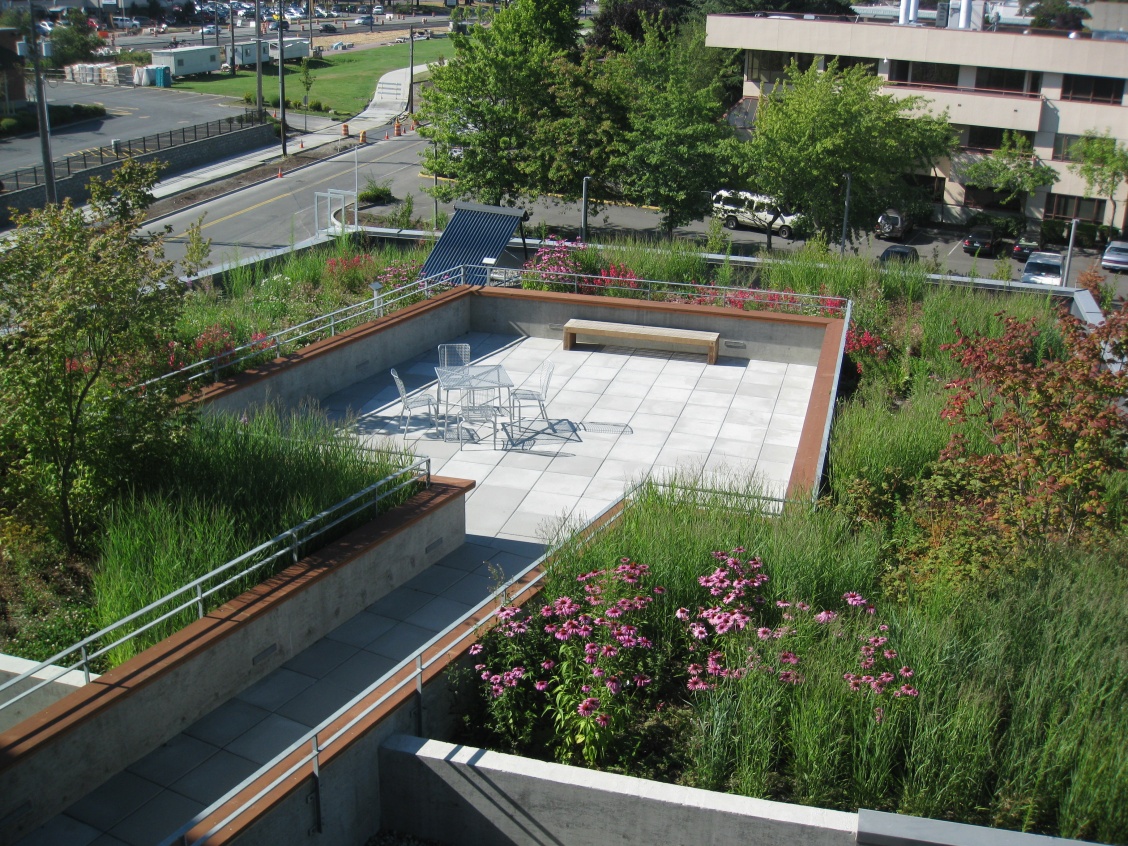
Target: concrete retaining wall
[[328, 366], [73, 746], [53, 691], [180, 158], [759, 335], [457, 794]]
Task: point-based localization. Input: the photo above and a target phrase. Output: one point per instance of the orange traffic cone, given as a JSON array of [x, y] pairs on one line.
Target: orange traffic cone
[[279, 172], [301, 144], [385, 135]]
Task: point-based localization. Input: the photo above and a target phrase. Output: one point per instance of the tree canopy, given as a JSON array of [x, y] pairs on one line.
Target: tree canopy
[[1012, 170], [823, 125], [91, 306], [1102, 162]]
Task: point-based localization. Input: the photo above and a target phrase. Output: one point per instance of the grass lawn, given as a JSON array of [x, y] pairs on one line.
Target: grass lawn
[[344, 81]]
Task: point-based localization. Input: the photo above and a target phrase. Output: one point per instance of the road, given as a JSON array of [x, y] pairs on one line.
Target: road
[[279, 212], [130, 113]]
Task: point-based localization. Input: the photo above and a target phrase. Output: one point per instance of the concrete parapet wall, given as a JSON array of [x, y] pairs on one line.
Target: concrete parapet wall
[[328, 366], [762, 335], [53, 691], [70, 748], [457, 794], [179, 158]]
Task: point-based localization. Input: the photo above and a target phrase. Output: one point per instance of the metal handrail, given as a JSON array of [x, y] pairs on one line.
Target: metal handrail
[[197, 591], [418, 666]]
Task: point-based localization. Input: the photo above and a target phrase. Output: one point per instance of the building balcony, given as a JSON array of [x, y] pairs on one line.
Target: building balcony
[[977, 106]]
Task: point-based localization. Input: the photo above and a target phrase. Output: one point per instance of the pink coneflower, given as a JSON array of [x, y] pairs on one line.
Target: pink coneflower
[[585, 688], [890, 654], [825, 616], [588, 706], [698, 683], [906, 690], [682, 614], [612, 685], [790, 677], [476, 649], [788, 658], [878, 714], [479, 666], [906, 672], [609, 651], [548, 665], [763, 633], [698, 631], [659, 590], [603, 720], [641, 680], [802, 606], [854, 598], [781, 604]]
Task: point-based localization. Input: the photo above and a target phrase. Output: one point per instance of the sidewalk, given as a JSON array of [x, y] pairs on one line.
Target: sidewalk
[[380, 114]]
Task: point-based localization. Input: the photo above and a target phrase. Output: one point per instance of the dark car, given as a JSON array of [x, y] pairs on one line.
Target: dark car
[[1031, 242], [899, 252], [274, 26], [893, 225], [982, 241], [327, 27]]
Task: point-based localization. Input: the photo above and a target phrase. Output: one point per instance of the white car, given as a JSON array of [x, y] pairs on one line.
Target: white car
[[740, 208], [1043, 269], [1115, 257]]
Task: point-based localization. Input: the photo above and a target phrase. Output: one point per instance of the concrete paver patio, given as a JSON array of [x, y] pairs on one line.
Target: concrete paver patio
[[615, 416]]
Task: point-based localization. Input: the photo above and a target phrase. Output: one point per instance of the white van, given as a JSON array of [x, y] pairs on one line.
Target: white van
[[740, 208]]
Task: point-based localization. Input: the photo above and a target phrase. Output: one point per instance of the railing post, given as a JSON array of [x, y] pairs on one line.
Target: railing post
[[85, 664], [419, 695], [428, 471], [316, 796], [200, 601]]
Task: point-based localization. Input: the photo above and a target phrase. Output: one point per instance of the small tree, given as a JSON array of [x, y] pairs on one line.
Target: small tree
[[1102, 163], [1056, 14], [1013, 170], [92, 305], [306, 78]]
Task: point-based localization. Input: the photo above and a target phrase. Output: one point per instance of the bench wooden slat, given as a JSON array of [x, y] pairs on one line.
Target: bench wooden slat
[[692, 337]]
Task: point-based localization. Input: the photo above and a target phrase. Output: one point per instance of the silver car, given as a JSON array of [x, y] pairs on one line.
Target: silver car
[[1115, 257], [1043, 269]]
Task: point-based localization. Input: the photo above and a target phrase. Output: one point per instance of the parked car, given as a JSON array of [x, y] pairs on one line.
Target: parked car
[[326, 27], [893, 225], [1043, 269], [740, 208], [274, 26], [899, 252], [1027, 243], [365, 20], [1115, 257], [982, 240]]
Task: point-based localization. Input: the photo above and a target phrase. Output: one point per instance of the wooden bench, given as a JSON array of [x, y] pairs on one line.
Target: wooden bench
[[628, 332]]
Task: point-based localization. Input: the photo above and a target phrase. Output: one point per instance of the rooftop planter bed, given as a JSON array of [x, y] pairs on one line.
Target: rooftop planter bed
[[941, 636]]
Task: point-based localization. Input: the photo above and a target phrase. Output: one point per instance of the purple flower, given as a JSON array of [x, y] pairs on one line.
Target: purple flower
[[588, 707], [825, 616], [788, 658], [548, 665], [540, 685], [854, 598], [476, 649], [906, 672], [682, 613]]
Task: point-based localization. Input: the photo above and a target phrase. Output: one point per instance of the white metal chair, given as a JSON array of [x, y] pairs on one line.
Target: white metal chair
[[413, 401], [477, 414], [454, 355], [539, 395]]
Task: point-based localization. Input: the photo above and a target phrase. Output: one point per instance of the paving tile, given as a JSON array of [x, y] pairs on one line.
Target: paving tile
[[702, 398], [396, 644], [156, 819], [472, 589], [400, 603], [514, 477], [227, 722], [266, 740], [435, 579], [562, 483], [632, 450], [548, 504], [439, 613], [526, 460], [320, 657], [699, 441], [614, 402], [214, 777], [534, 526], [361, 629], [171, 760], [763, 390], [276, 689], [469, 556], [106, 806], [61, 830], [314, 705]]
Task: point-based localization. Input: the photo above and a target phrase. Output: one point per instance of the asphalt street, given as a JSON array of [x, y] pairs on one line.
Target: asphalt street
[[130, 113], [279, 212]]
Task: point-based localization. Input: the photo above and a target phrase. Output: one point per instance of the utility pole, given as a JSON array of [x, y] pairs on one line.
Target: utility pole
[[583, 211], [258, 56], [1069, 252], [41, 113], [231, 58], [217, 25], [282, 85], [411, 70]]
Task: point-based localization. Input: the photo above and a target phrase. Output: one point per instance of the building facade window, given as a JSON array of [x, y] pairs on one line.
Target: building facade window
[[1092, 89], [932, 186], [991, 137], [1062, 143], [924, 73], [1002, 79], [768, 67], [1067, 207], [990, 200]]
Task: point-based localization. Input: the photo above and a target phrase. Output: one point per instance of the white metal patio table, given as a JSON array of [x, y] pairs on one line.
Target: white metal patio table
[[471, 379]]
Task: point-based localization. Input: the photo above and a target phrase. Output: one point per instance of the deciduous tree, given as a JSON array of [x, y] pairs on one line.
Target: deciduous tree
[[1102, 162], [1012, 170], [90, 306], [822, 125]]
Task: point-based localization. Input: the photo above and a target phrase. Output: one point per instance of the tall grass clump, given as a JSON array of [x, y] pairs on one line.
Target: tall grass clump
[[658, 261], [231, 485]]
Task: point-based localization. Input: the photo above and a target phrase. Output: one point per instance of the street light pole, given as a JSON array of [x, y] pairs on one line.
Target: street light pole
[[583, 211], [258, 57], [411, 70], [282, 85], [231, 58], [41, 113], [846, 214], [1069, 252]]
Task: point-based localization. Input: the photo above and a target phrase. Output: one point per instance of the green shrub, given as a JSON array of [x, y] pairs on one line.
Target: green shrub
[[376, 192], [315, 106], [1010, 225], [9, 126]]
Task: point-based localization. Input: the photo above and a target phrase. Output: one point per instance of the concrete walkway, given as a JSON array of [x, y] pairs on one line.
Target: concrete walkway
[[614, 417], [389, 101]]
